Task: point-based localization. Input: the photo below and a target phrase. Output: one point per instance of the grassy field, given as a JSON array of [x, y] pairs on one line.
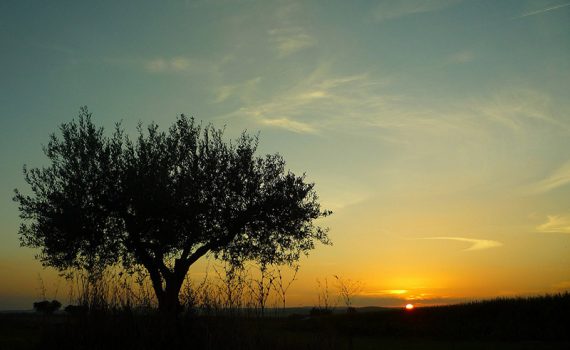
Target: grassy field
[[521, 323]]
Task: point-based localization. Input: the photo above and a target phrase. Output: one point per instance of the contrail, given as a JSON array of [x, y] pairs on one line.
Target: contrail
[[543, 10]]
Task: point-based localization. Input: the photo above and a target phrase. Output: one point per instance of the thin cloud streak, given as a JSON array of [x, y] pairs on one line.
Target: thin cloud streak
[[515, 108], [395, 300], [288, 124], [244, 91], [393, 9], [175, 64], [548, 9], [560, 177], [172, 64], [287, 36], [337, 200], [555, 224], [288, 41], [461, 57], [476, 244]]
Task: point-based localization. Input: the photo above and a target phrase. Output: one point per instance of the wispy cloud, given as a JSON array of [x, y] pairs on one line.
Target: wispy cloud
[[245, 90], [336, 199], [398, 298], [175, 64], [555, 224], [361, 102], [287, 36], [171, 64], [561, 286], [392, 9], [288, 41], [560, 177], [288, 124], [547, 9], [313, 104], [475, 244], [62, 49], [461, 57], [514, 108]]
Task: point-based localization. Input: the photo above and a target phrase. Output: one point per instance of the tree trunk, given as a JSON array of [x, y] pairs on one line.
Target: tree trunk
[[166, 289], [168, 302], [168, 282]]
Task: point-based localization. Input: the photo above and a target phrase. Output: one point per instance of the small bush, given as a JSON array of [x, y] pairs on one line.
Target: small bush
[[47, 307], [320, 311], [76, 310]]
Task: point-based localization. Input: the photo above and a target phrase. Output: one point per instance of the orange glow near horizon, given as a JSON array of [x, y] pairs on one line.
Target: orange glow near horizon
[[409, 307]]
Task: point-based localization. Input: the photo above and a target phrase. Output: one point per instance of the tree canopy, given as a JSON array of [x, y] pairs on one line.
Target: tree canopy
[[164, 200]]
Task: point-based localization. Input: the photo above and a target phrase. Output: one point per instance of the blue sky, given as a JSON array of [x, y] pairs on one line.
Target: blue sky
[[429, 126]]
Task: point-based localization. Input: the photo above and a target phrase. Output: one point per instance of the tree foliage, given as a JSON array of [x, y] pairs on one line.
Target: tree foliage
[[163, 200]]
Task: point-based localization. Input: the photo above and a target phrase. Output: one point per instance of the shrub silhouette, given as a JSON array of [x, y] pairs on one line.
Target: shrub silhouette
[[320, 311], [47, 307], [76, 310]]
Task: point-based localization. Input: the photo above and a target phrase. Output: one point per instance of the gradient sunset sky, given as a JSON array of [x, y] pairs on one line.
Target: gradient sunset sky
[[438, 131]]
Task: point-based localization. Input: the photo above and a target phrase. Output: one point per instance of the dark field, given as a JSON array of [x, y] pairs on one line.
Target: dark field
[[521, 323]]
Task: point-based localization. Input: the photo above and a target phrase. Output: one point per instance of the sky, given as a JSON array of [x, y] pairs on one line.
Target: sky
[[437, 131]]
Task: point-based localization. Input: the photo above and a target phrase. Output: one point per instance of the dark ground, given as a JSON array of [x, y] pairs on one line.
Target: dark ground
[[522, 323]]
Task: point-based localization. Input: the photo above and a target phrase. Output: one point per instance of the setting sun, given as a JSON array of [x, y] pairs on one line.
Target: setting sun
[[409, 307]]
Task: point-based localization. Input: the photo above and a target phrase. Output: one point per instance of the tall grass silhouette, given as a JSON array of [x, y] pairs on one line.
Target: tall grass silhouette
[[223, 310]]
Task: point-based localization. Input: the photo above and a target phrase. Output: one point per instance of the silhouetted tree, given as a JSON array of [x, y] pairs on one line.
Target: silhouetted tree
[[163, 201]]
